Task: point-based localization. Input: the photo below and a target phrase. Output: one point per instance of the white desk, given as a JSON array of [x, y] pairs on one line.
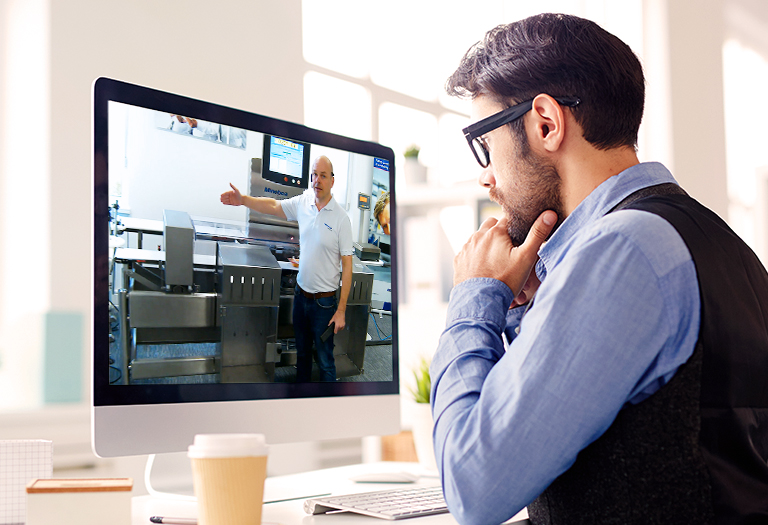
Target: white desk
[[335, 480]]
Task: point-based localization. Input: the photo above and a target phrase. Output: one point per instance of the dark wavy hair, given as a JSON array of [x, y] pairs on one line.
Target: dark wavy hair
[[560, 55]]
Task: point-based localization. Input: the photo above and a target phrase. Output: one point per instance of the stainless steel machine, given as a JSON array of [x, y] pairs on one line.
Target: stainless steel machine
[[249, 297], [240, 300]]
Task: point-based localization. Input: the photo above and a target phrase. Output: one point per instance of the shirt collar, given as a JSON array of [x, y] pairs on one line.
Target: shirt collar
[[598, 203], [330, 206]]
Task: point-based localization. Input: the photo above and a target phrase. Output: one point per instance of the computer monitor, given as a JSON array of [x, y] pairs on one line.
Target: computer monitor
[[192, 299]]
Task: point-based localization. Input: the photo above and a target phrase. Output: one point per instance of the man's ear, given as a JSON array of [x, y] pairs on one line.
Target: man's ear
[[547, 123]]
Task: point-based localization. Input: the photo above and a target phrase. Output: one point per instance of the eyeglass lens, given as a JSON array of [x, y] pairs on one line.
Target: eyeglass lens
[[480, 151]]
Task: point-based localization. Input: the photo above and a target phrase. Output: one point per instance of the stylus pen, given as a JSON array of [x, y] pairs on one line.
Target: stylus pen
[[186, 521], [175, 521]]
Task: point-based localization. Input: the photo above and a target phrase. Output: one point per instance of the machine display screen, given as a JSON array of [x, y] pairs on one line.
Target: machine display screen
[[286, 158], [193, 296]]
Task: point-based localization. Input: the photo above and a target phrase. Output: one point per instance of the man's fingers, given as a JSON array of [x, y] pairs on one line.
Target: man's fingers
[[539, 232], [479, 235], [488, 223], [233, 187]]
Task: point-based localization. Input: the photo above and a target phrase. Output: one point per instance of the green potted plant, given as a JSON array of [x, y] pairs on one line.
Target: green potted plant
[[422, 416], [412, 152], [415, 171], [423, 383]]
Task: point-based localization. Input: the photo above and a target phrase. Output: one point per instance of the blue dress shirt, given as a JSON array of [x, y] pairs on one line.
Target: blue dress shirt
[[616, 314]]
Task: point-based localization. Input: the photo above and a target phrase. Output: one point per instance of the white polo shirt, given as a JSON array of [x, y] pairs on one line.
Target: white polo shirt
[[324, 237]]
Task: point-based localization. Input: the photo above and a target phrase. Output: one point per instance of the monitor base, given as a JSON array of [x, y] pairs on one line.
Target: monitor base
[[175, 479]]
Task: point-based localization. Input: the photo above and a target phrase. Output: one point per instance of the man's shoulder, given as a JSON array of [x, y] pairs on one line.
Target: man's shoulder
[[639, 231], [291, 207], [634, 225], [337, 209], [300, 201], [293, 200], [305, 197]]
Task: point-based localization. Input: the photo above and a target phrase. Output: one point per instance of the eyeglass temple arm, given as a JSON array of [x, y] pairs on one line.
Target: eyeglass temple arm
[[478, 128]]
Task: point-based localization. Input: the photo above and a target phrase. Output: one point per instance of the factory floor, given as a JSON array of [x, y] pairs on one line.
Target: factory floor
[[377, 365]]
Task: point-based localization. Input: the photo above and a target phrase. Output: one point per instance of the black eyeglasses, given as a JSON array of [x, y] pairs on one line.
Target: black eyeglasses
[[474, 132]]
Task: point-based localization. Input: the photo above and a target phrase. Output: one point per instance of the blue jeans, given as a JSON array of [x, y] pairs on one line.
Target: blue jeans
[[310, 320]]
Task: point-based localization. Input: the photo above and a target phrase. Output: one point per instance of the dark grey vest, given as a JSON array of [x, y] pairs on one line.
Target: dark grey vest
[[695, 452]]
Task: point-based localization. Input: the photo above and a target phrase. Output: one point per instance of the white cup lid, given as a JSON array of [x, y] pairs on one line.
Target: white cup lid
[[227, 446]]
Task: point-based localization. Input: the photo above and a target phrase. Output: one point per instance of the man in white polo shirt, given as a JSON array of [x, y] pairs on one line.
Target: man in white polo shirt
[[325, 237]]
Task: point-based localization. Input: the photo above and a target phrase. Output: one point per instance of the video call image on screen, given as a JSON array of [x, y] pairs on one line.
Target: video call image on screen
[[202, 292]]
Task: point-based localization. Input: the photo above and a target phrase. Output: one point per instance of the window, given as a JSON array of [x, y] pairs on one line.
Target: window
[[378, 72], [745, 78], [337, 105], [24, 222]]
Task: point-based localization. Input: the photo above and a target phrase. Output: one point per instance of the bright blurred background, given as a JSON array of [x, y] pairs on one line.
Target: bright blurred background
[[371, 70]]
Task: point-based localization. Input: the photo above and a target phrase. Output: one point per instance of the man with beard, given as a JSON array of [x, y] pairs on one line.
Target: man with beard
[[325, 239], [630, 390]]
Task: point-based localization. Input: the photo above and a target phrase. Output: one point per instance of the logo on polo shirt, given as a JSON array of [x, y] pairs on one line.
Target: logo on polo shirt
[[326, 225]]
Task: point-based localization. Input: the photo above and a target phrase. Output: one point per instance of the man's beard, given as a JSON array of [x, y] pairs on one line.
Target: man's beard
[[536, 188]]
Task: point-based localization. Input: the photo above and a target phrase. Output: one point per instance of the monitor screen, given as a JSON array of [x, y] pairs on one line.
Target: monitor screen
[[193, 298]]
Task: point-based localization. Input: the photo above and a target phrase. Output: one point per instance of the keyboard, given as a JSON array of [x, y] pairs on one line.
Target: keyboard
[[390, 504]]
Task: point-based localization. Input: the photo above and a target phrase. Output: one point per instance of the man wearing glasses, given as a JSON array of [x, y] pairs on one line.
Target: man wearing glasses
[[631, 390]]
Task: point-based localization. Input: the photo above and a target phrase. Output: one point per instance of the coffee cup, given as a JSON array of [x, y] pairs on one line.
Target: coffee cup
[[228, 475]]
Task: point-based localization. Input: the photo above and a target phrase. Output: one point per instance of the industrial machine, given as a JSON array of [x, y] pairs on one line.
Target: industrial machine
[[228, 314]]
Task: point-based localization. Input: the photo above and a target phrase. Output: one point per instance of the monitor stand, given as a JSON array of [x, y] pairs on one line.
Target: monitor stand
[[169, 476]]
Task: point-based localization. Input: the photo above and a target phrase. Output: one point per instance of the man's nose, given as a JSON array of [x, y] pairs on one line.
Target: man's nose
[[486, 179]]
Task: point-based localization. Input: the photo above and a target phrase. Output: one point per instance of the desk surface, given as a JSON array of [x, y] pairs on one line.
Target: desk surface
[[335, 480]]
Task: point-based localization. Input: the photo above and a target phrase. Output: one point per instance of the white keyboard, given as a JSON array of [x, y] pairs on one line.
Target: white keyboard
[[390, 504]]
